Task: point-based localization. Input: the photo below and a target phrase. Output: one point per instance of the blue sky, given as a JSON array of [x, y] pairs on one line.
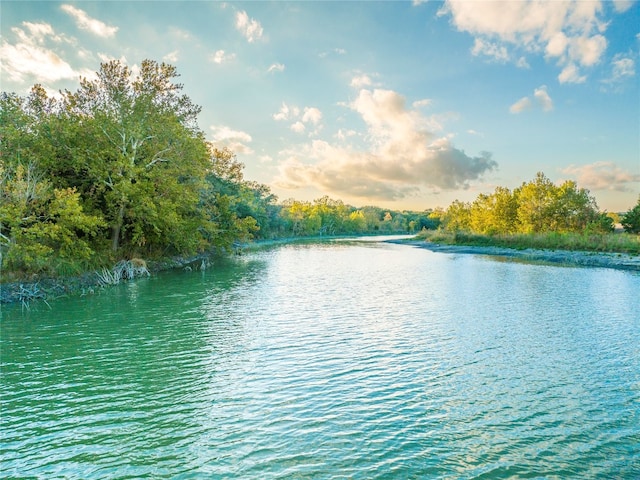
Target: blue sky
[[396, 104]]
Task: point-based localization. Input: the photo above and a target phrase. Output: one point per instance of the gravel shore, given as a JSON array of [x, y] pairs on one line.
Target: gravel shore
[[621, 261]]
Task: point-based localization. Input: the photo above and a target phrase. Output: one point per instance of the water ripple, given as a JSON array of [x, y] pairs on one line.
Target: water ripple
[[350, 360]]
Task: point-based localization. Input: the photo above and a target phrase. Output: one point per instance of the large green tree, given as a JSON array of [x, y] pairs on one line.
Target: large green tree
[[134, 142]]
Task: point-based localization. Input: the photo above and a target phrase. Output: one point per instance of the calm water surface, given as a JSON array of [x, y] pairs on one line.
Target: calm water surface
[[349, 359]]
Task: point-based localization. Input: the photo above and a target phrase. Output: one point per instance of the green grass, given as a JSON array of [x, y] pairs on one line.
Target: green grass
[[601, 242]]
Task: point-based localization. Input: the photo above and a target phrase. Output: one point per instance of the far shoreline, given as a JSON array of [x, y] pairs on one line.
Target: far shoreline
[[578, 258]]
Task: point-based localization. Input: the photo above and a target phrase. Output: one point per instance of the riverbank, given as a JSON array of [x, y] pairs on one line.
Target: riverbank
[[621, 261], [46, 288], [42, 289]]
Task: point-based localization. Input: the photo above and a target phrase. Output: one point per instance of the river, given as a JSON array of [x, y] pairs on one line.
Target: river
[[345, 359]]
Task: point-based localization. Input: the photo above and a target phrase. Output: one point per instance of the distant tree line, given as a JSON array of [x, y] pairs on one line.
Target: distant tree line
[[538, 206], [119, 168]]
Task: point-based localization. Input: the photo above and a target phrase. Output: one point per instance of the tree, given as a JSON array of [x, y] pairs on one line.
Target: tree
[[43, 226], [535, 203], [545, 207], [137, 143], [228, 201], [457, 217], [631, 220]]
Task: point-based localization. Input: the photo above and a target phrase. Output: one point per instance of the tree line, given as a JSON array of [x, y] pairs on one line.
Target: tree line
[[119, 168], [537, 206]]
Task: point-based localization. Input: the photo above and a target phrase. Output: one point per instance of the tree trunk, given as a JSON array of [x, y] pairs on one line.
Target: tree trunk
[[115, 231]]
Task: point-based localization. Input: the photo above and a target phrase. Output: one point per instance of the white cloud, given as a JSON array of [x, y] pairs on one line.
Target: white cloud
[[235, 140], [171, 57], [541, 97], [30, 59], [602, 176], [250, 28], [425, 102], [402, 155], [298, 127], [571, 74], [587, 50], [361, 81], [569, 32], [220, 57], [622, 67], [622, 5], [276, 67], [85, 22], [490, 49], [286, 112], [521, 105], [344, 134], [38, 32], [311, 114]]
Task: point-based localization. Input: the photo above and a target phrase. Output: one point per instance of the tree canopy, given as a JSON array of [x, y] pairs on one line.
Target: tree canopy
[[631, 220], [537, 206]]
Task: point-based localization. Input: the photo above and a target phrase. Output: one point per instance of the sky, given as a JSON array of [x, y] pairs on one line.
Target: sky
[[403, 105]]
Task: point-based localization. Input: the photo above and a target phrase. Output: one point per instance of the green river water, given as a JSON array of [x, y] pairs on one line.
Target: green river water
[[350, 359]]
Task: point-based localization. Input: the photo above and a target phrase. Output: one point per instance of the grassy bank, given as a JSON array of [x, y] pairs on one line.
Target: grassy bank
[[607, 242]]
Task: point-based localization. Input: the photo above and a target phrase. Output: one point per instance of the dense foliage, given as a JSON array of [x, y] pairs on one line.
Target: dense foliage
[[538, 206], [119, 169], [631, 220]]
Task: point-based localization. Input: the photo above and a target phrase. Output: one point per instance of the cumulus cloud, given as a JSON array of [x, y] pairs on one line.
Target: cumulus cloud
[[403, 155], [220, 57], [30, 58], [602, 176], [298, 127], [543, 98], [250, 28], [571, 74], [235, 140], [85, 22], [311, 114], [171, 57], [521, 105], [286, 112], [276, 67], [569, 32], [344, 134], [361, 81], [490, 49], [540, 96]]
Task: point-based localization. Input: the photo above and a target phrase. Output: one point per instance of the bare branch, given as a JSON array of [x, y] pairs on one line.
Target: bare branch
[[157, 158]]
